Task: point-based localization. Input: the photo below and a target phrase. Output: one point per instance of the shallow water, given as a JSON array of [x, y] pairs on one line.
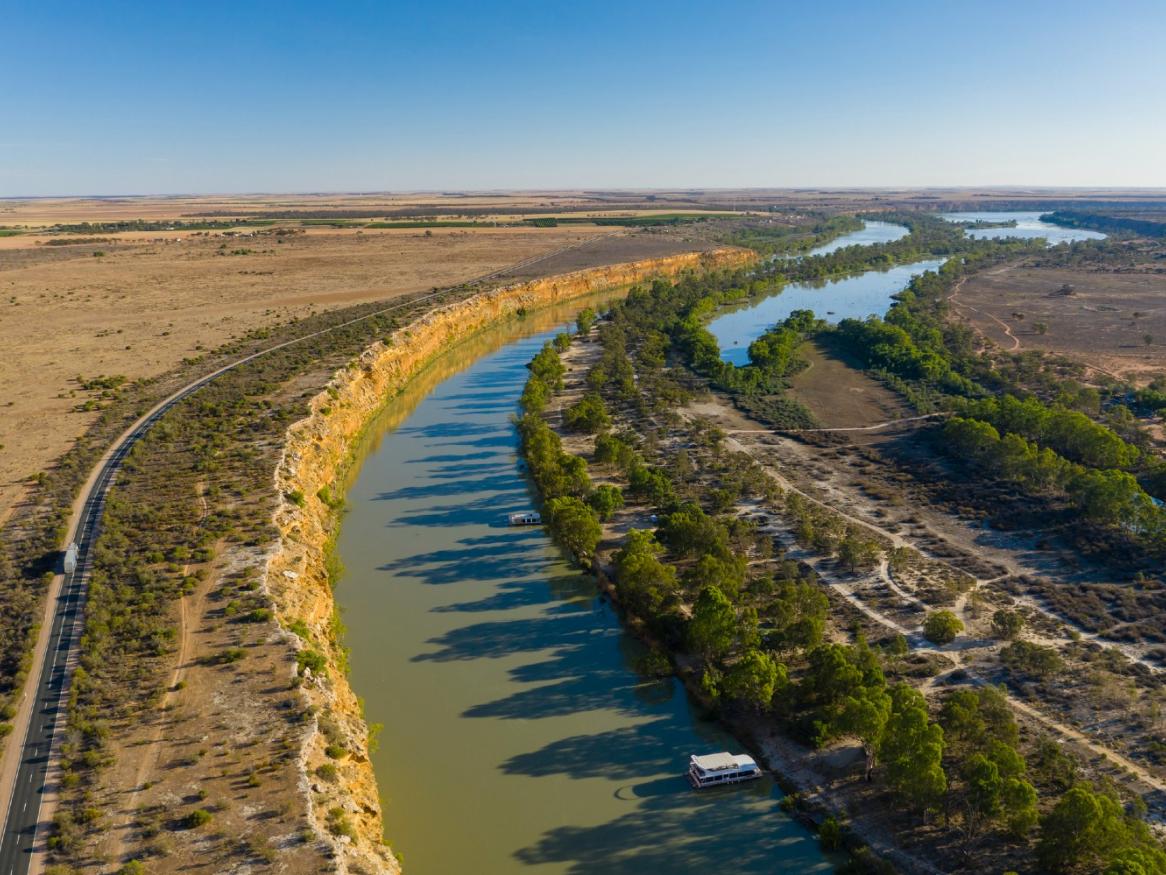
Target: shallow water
[[856, 297], [1028, 226], [873, 232], [517, 737]]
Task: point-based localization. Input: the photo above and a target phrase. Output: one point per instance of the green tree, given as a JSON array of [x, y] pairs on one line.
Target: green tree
[[610, 450], [1083, 829], [589, 414], [605, 501], [713, 627], [856, 552], [912, 750], [796, 613], [754, 678], [585, 320], [1007, 624], [644, 581], [535, 395], [1030, 659], [573, 524], [1018, 801], [941, 627], [864, 716], [982, 800], [726, 570], [547, 366]]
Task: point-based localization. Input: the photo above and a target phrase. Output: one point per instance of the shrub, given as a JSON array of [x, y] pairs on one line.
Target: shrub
[[585, 320], [941, 627], [830, 834], [589, 414], [1032, 659], [198, 817], [605, 501], [339, 824], [1007, 624], [311, 659]]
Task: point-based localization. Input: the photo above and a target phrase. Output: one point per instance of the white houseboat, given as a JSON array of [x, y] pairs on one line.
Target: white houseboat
[[525, 518], [715, 769]]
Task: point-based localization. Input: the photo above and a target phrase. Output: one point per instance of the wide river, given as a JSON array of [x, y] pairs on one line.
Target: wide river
[[854, 297], [517, 736]]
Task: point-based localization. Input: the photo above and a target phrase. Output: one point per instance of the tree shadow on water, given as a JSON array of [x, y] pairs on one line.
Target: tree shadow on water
[[466, 564], [681, 833], [507, 596], [489, 510], [448, 429], [499, 483]]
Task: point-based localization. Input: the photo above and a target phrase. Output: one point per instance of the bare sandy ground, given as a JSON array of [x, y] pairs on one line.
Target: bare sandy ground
[[1103, 319], [142, 307]]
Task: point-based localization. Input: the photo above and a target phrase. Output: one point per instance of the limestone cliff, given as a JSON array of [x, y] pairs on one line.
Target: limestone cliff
[[343, 806]]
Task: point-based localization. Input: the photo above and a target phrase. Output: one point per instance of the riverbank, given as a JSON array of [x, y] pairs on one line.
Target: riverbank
[[337, 779]]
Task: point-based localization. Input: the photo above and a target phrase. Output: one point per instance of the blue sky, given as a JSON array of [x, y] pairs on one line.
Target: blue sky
[[206, 96]]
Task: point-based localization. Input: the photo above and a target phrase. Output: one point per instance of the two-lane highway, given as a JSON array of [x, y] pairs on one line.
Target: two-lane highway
[[22, 830]]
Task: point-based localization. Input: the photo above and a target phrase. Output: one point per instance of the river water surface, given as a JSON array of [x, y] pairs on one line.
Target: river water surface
[[855, 297], [517, 735], [1028, 226], [871, 233]]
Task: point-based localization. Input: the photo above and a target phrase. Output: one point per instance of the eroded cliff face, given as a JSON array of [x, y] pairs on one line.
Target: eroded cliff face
[[344, 807]]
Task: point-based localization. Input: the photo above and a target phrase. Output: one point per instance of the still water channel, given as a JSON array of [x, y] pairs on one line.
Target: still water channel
[[517, 735], [871, 233], [855, 297], [1028, 226]]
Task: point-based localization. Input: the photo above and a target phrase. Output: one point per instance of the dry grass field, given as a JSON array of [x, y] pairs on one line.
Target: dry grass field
[[1103, 319], [136, 304], [840, 395]]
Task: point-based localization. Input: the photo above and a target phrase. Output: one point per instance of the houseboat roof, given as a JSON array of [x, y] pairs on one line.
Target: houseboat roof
[[716, 762]]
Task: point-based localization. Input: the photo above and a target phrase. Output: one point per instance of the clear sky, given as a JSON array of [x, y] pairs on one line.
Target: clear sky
[[166, 96]]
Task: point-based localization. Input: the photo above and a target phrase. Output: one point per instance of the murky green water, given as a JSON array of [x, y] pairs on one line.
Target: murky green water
[[517, 737]]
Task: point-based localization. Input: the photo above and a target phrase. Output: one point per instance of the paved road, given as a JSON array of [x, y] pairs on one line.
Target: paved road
[[21, 820], [21, 828]]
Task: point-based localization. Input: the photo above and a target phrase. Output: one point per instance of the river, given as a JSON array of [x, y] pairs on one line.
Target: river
[[517, 735], [1028, 226], [854, 297], [871, 233]]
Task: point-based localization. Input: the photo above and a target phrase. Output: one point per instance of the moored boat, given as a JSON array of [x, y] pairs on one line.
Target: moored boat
[[525, 518], [715, 769]]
